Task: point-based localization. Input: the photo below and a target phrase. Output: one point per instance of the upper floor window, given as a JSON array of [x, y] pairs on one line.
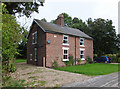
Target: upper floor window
[[34, 37], [81, 41], [65, 39]]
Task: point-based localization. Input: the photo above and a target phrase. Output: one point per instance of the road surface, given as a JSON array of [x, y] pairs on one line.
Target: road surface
[[110, 80]]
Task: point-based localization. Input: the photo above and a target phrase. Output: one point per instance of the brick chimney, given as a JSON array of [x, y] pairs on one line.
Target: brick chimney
[[60, 20]]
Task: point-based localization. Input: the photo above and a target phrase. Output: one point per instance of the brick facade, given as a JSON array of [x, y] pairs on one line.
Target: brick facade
[[50, 45]]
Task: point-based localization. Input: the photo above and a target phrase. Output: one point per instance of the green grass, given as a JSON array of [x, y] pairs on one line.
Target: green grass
[[91, 69], [20, 60]]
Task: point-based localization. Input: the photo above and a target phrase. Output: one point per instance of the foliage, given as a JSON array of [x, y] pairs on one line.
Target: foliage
[[71, 59], [11, 36], [91, 69], [44, 20], [104, 36], [23, 8], [89, 60], [55, 64], [78, 60], [22, 46]]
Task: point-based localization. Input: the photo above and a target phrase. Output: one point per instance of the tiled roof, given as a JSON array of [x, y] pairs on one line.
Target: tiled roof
[[50, 27]]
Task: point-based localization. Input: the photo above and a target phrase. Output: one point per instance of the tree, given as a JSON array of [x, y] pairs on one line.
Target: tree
[[67, 19], [44, 20], [103, 34], [23, 8], [11, 36], [22, 46]]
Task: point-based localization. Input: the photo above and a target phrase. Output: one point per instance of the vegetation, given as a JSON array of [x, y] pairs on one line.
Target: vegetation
[[71, 60], [55, 64], [91, 69], [89, 60], [78, 60], [20, 60], [11, 36], [22, 8]]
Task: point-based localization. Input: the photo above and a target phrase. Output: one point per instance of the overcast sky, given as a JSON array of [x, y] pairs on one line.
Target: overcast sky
[[83, 9]]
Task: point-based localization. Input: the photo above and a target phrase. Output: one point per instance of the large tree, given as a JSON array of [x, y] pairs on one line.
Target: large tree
[[104, 35]]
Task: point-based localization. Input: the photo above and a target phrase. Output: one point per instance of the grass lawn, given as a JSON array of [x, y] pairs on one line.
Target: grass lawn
[[91, 69], [20, 60]]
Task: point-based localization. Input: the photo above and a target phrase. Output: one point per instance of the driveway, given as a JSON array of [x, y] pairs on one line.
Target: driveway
[[110, 80], [45, 77]]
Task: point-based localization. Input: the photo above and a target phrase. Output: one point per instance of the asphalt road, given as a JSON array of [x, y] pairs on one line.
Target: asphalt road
[[110, 80]]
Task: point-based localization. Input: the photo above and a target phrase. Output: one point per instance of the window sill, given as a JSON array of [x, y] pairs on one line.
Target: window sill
[[34, 43], [83, 59], [65, 59], [65, 44], [82, 46]]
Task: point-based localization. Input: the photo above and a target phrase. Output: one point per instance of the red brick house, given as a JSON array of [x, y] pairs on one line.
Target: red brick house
[[48, 42]]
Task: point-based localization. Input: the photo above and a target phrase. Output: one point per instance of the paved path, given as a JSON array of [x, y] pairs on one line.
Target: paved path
[[110, 80]]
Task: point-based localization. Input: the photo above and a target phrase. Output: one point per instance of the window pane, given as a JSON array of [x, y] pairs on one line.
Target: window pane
[[65, 37], [64, 41], [65, 56], [81, 56], [81, 52], [65, 51]]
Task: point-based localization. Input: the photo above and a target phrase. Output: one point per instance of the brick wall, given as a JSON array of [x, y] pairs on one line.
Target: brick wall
[[41, 44], [54, 50]]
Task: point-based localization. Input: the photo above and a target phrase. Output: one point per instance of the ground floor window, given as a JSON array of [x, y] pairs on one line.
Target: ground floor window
[[35, 54], [82, 52], [31, 57], [65, 54]]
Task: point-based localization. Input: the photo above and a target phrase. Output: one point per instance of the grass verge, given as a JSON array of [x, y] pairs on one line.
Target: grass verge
[[91, 69], [20, 60]]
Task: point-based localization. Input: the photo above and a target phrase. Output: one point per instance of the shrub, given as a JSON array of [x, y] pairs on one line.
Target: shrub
[[55, 64], [71, 59], [78, 60], [89, 60]]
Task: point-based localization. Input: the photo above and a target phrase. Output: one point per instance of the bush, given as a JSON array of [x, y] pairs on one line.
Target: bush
[[89, 60], [71, 59], [70, 62], [78, 60], [55, 64]]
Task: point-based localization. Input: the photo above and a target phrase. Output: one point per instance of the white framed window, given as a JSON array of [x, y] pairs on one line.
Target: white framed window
[[35, 54], [65, 39], [81, 41], [30, 57], [65, 54], [34, 37], [82, 52]]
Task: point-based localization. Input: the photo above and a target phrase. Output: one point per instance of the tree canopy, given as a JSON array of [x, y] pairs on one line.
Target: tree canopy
[[23, 8]]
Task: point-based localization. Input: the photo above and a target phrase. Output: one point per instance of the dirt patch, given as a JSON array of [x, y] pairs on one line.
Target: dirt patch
[[40, 76]]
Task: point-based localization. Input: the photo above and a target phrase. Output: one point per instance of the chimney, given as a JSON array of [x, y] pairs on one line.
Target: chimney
[[60, 20]]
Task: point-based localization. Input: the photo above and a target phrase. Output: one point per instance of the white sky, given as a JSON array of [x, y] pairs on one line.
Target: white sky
[[83, 9]]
